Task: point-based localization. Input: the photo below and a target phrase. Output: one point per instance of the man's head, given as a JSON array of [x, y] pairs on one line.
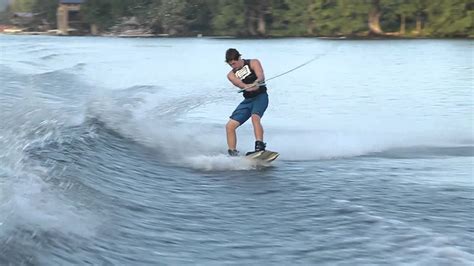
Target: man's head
[[232, 57]]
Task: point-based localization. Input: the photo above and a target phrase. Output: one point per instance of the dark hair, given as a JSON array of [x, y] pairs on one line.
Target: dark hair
[[232, 54]]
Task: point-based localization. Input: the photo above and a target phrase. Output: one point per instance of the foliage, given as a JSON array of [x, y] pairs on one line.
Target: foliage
[[436, 18], [45, 10], [22, 6], [229, 18]]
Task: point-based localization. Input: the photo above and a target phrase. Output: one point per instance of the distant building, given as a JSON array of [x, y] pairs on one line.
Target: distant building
[[22, 19], [69, 17]]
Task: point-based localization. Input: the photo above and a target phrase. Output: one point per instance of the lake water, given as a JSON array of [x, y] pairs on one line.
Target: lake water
[[113, 152]]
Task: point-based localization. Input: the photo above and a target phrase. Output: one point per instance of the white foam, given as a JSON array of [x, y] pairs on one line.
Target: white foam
[[27, 201], [307, 119], [220, 163], [163, 124]]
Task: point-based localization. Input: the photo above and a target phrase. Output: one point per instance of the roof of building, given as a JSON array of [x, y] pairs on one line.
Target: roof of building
[[23, 14]]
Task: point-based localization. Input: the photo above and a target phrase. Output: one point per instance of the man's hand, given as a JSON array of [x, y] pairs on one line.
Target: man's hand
[[253, 87]]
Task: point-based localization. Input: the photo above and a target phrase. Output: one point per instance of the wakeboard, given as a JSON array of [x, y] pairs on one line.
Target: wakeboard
[[264, 156]]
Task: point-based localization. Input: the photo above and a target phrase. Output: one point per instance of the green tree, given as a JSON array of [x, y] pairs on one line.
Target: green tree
[[292, 18], [437, 18], [403, 9], [452, 18], [199, 16], [172, 14], [105, 13], [228, 18], [22, 6], [349, 18], [45, 11]]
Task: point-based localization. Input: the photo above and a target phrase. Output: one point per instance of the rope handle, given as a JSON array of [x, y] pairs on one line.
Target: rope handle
[[281, 74], [252, 85]]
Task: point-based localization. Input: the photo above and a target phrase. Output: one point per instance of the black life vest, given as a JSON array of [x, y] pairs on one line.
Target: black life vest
[[248, 76]]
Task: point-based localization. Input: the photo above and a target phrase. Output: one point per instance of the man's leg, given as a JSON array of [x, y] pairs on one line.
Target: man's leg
[[230, 127], [257, 127], [260, 104]]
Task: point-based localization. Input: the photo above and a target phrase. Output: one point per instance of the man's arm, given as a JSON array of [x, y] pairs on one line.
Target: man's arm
[[236, 81], [257, 67]]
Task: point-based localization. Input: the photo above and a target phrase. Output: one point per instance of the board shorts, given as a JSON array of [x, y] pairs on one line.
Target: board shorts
[[256, 105]]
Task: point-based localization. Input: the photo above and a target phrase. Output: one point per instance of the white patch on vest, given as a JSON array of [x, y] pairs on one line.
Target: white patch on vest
[[243, 72]]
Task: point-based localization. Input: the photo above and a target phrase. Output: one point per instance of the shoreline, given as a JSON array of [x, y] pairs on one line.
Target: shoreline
[[148, 36]]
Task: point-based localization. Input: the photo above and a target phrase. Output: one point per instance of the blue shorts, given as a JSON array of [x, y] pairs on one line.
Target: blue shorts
[[256, 105]]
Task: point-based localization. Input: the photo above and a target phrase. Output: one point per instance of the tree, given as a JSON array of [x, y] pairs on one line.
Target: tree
[[22, 6], [403, 9], [255, 13], [452, 18], [374, 18], [293, 18], [45, 11], [350, 17], [229, 19], [437, 18], [106, 13]]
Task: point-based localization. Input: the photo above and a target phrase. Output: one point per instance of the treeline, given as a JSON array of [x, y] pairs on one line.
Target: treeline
[[261, 18]]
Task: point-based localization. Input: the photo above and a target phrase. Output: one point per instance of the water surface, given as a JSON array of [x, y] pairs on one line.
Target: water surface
[[112, 152]]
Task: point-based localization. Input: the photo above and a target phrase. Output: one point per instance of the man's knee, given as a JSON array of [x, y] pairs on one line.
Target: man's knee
[[255, 118], [232, 125]]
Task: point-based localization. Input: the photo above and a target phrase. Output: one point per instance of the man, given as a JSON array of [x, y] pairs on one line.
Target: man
[[247, 74]]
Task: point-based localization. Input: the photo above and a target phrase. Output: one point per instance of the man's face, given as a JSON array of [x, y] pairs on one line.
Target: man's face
[[235, 64]]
